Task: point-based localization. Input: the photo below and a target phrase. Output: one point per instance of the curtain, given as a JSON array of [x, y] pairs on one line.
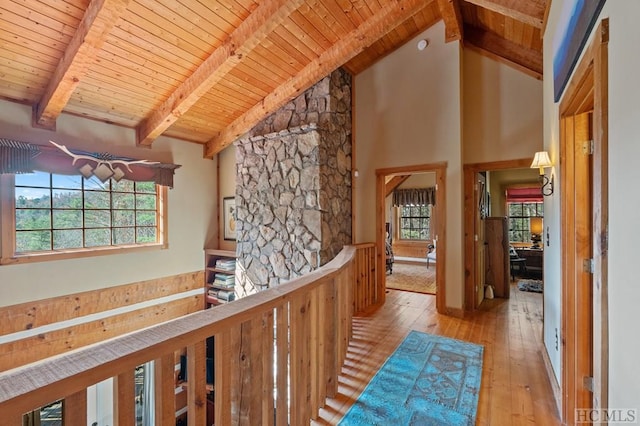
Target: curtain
[[524, 195], [22, 157], [414, 196]]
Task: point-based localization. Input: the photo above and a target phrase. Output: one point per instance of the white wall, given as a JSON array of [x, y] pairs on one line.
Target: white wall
[[408, 112], [624, 150], [191, 212], [502, 111]]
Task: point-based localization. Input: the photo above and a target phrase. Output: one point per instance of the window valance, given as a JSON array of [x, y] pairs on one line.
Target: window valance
[[22, 157], [414, 196], [524, 195]]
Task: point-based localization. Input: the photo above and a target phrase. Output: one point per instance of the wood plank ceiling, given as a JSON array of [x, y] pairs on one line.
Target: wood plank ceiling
[[207, 71]]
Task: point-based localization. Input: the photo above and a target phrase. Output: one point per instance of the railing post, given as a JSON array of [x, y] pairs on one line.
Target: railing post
[[165, 398], [268, 380], [250, 372], [197, 388], [222, 378], [74, 408], [300, 327], [124, 410], [330, 321], [282, 363]]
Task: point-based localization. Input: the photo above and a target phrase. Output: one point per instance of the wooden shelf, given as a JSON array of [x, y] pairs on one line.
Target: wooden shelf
[[211, 258]]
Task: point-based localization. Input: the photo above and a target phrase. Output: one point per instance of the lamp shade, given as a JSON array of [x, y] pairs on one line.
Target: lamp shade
[[541, 160], [535, 225]]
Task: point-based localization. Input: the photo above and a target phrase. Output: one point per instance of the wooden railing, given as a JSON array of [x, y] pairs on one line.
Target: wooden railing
[[367, 290], [292, 339]]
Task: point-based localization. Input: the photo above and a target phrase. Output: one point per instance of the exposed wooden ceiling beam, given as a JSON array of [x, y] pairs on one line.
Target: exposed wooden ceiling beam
[[491, 45], [393, 183], [530, 12], [251, 32], [390, 16], [97, 22], [452, 17]]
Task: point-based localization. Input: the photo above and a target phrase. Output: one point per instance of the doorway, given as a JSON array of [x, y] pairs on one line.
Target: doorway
[[584, 213], [438, 232], [473, 238]]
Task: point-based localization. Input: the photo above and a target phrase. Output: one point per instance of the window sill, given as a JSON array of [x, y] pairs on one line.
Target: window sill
[[78, 253]]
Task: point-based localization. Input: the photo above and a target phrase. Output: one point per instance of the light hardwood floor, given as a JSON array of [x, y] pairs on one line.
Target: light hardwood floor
[[514, 390]]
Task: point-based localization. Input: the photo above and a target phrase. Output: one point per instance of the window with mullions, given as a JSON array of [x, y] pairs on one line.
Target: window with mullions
[[65, 212], [415, 222], [519, 219]]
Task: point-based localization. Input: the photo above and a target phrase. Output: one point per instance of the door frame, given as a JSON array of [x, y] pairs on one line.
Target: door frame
[[440, 212], [470, 212], [587, 91]]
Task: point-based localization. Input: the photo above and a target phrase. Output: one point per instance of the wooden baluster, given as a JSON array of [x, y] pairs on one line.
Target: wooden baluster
[[300, 335], [282, 356], [250, 372], [74, 408], [124, 399], [267, 369], [314, 351], [196, 390], [222, 379], [331, 367], [165, 388]]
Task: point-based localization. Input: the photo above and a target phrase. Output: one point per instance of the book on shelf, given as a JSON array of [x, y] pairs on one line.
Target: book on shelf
[[224, 295], [225, 277], [226, 264], [219, 283]]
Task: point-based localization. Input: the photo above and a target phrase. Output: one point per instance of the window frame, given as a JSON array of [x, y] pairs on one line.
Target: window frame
[[430, 221], [8, 253], [539, 213]]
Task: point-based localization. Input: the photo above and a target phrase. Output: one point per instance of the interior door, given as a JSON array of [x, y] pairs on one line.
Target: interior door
[[577, 274], [584, 253]]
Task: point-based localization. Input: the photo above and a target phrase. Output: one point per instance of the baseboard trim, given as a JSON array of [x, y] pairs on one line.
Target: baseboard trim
[[411, 260], [454, 312], [555, 387]]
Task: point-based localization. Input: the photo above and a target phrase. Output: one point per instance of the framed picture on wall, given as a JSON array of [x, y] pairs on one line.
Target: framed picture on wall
[[229, 217]]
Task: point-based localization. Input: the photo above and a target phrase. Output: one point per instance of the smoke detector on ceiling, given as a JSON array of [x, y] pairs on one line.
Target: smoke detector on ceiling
[[422, 44]]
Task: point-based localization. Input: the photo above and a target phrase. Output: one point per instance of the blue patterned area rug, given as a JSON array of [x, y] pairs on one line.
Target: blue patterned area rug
[[428, 380]]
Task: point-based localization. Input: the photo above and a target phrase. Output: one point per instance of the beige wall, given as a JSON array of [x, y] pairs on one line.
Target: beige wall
[[191, 212], [227, 188], [408, 112], [502, 111], [624, 150]]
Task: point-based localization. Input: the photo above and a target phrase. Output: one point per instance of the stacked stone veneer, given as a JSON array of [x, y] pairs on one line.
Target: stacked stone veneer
[[293, 187]]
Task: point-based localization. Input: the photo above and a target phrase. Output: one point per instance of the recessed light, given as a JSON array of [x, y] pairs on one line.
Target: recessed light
[[422, 44]]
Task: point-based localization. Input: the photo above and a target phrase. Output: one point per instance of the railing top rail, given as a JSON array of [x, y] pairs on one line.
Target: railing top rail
[[73, 371]]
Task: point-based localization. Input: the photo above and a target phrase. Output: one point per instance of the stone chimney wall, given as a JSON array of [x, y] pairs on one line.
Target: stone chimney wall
[[293, 187]]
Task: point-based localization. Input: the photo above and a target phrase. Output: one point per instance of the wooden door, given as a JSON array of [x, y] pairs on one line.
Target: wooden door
[[578, 279], [497, 255]]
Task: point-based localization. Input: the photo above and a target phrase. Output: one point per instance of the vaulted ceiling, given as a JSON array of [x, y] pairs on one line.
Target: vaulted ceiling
[[207, 71]]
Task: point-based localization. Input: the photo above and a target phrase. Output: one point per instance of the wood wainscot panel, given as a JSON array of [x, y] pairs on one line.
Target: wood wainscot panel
[[39, 345], [29, 315]]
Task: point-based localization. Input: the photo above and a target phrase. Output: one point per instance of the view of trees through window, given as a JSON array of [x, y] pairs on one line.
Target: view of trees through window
[[519, 219], [415, 222], [57, 212]]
